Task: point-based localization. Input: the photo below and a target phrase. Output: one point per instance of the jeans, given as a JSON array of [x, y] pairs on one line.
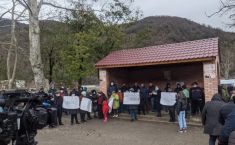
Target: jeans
[[212, 140], [133, 113], [181, 120]]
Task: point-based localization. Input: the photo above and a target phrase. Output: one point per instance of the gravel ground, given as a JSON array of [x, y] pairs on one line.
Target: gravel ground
[[120, 132]]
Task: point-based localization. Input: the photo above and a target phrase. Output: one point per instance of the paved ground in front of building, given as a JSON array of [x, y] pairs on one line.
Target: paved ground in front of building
[[120, 132]]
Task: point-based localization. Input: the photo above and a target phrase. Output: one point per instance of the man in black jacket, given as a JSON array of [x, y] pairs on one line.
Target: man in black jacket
[[210, 118], [227, 109], [196, 96], [227, 129]]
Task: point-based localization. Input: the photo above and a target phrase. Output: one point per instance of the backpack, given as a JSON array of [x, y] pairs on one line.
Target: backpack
[[183, 105], [196, 94]]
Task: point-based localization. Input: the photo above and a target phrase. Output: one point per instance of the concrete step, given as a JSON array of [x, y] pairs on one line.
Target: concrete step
[[195, 121]]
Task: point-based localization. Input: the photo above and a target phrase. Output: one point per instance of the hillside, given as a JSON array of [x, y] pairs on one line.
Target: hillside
[[145, 32], [165, 29]]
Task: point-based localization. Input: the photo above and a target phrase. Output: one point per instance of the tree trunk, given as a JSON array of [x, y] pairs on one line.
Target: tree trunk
[[34, 43], [51, 65], [11, 77]]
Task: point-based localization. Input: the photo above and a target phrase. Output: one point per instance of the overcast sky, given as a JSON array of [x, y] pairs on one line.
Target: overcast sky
[[194, 10]]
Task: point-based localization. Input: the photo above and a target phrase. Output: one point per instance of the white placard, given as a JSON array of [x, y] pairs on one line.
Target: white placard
[[131, 98], [110, 103], [71, 102], [86, 105], [168, 98]]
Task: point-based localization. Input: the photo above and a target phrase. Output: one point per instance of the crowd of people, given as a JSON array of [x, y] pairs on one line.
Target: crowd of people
[[218, 118], [190, 101], [218, 115]]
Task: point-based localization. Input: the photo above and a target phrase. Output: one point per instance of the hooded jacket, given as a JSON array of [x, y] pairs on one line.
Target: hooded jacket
[[210, 116], [227, 129], [225, 111]]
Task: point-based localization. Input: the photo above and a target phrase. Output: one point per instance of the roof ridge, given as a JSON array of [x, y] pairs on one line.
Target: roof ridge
[[165, 45], [202, 48]]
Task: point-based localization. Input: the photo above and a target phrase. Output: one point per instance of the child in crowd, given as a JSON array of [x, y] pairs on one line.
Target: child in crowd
[[105, 109], [116, 103], [181, 107]]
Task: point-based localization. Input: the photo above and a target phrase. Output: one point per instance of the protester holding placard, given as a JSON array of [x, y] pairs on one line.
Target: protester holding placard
[[116, 103], [133, 103], [89, 96], [82, 112], [136, 87], [74, 112], [171, 108]]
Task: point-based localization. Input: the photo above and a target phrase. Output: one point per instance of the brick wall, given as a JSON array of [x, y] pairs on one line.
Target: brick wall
[[104, 80], [211, 81]]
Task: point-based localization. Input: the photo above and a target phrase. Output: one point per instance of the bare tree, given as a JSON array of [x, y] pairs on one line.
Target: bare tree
[[13, 45], [227, 8], [12, 48], [227, 63], [33, 8]]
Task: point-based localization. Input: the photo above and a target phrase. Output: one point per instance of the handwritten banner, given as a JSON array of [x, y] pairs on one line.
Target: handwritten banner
[[168, 98], [71, 102], [131, 98], [86, 105]]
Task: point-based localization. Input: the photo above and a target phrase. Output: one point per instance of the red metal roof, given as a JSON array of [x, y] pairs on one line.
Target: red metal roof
[[190, 50]]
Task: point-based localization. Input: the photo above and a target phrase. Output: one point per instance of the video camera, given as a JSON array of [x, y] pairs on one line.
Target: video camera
[[21, 115]]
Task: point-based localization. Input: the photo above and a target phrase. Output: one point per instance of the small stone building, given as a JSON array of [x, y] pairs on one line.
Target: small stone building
[[184, 62]]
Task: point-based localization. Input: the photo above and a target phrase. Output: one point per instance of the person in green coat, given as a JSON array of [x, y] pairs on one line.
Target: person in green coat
[[116, 103], [186, 96]]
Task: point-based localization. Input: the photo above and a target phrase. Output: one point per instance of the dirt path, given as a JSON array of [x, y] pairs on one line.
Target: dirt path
[[119, 132]]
